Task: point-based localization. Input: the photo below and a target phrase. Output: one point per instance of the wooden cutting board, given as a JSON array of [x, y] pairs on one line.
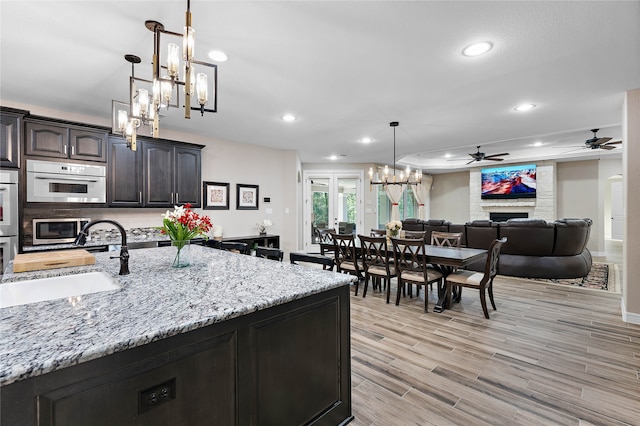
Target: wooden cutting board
[[52, 259]]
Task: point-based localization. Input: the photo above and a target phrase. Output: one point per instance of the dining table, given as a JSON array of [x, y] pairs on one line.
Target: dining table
[[445, 260]]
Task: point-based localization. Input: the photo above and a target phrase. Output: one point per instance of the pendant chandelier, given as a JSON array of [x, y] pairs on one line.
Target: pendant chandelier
[[410, 179], [148, 96]]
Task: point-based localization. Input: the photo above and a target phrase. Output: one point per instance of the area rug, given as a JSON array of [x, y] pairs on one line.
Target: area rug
[[603, 276]]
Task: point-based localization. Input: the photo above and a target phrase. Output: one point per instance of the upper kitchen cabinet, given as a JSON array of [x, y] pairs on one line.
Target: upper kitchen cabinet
[[124, 175], [51, 139], [171, 174], [10, 126]]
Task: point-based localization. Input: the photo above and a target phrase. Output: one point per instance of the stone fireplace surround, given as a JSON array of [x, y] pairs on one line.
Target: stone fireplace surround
[[541, 207]]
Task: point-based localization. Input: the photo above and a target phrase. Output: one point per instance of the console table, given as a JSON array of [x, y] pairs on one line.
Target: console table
[[266, 240]]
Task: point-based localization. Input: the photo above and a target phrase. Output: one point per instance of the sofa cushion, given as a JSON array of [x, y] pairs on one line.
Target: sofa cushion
[[461, 229], [528, 237], [480, 234], [572, 236], [413, 224]]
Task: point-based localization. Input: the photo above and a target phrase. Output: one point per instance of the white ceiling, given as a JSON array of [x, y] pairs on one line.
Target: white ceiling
[[348, 68]]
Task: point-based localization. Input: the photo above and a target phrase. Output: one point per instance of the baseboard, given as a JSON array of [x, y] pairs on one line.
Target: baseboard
[[629, 317]]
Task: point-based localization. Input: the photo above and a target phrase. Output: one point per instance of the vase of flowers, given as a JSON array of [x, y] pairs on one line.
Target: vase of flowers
[[393, 229], [182, 225], [262, 227]]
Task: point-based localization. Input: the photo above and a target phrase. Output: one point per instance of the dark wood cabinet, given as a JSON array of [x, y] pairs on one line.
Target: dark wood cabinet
[[124, 175], [49, 139], [158, 174], [285, 365], [10, 133], [171, 174]]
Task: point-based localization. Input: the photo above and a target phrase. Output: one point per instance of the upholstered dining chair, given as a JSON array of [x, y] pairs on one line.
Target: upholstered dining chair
[[411, 266], [480, 281], [347, 256], [314, 258], [270, 253], [377, 265]]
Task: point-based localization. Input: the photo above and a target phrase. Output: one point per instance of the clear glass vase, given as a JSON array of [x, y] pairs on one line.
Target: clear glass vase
[[182, 256]]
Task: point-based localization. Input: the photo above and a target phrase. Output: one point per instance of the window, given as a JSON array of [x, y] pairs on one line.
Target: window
[[408, 206]]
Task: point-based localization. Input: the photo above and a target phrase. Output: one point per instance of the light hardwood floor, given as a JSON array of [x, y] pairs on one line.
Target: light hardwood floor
[[549, 355]]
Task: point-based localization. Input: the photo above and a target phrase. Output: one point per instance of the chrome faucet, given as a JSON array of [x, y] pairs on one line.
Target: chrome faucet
[[124, 252]]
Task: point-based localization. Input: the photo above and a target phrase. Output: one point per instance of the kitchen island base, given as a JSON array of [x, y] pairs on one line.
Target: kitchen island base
[[286, 365]]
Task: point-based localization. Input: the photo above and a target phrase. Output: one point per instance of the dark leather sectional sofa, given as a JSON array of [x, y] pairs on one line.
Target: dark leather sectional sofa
[[535, 248]]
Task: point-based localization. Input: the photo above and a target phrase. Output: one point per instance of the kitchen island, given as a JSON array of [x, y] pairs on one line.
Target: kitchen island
[[231, 339]]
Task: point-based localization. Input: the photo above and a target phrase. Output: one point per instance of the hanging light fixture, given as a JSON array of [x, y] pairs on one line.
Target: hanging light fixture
[[386, 179], [199, 88]]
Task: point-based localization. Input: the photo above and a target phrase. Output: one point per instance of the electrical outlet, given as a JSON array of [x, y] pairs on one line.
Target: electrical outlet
[[156, 395]]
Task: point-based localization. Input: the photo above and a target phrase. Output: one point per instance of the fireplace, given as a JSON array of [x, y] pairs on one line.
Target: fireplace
[[504, 216]]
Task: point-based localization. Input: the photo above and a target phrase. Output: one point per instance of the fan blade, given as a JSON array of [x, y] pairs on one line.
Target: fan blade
[[493, 159], [472, 161], [607, 147], [496, 155], [614, 143], [598, 141]]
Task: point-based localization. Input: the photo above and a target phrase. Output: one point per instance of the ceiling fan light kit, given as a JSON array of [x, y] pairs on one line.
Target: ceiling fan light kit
[[410, 179], [199, 88]]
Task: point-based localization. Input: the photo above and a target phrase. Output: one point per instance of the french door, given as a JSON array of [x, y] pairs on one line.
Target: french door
[[332, 200]]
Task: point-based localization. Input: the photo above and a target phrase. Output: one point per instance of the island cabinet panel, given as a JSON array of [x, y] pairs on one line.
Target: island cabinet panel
[[124, 175], [289, 364], [10, 139]]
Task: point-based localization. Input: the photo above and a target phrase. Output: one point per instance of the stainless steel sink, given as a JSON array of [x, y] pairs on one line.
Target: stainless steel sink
[[51, 288]]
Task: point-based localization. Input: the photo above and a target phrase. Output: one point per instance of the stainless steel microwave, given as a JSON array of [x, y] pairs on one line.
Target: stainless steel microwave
[[57, 231], [57, 182]]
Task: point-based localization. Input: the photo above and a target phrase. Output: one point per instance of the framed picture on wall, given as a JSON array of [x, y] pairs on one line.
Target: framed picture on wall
[[246, 197], [215, 196]]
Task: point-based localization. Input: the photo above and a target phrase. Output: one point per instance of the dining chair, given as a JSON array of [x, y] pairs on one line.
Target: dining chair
[[480, 281], [325, 239], [446, 239], [376, 262], [314, 258], [347, 256], [270, 253], [378, 232], [411, 266], [415, 234]]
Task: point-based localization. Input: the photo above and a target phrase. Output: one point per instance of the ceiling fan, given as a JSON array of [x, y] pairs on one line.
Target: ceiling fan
[[479, 156], [600, 143]]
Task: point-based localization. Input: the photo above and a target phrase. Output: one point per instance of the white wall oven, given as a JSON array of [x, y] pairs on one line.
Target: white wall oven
[[8, 217], [56, 182], [57, 231]]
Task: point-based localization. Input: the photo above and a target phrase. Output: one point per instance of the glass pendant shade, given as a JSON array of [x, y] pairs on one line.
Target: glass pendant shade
[[122, 120], [165, 88], [173, 60], [201, 88], [188, 43], [143, 101]]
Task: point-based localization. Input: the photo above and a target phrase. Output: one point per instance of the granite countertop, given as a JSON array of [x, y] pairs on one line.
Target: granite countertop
[[154, 301], [106, 237]]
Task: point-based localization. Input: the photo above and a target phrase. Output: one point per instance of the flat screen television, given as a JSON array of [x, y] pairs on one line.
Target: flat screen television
[[509, 182]]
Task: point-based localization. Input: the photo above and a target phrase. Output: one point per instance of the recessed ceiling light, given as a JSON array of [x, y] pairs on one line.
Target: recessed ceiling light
[[289, 117], [524, 107], [333, 157], [365, 140], [538, 143], [218, 56], [476, 49], [447, 155]]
